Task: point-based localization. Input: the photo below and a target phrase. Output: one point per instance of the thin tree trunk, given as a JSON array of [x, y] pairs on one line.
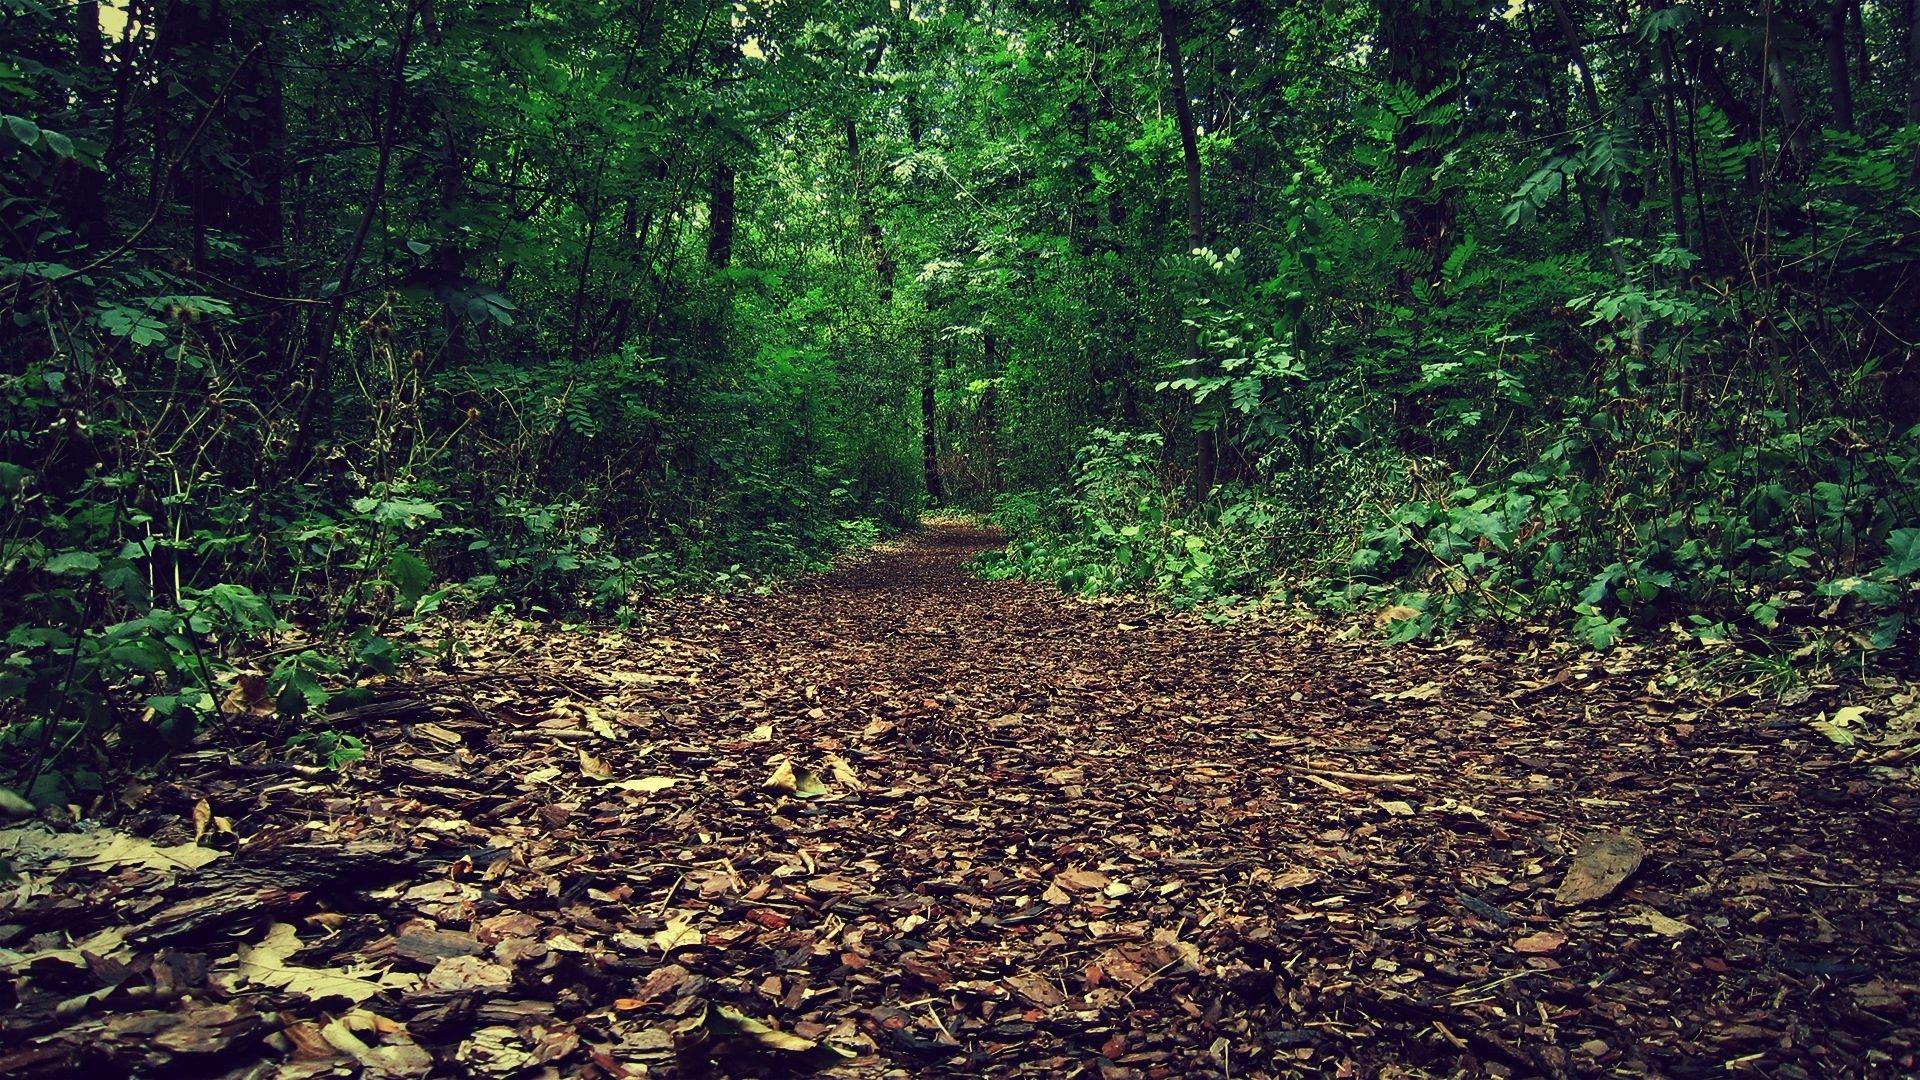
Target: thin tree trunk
[[320, 342], [1603, 195], [1837, 64], [1676, 184], [1913, 82], [929, 432], [1206, 449], [583, 277], [720, 216], [869, 222], [85, 202], [1792, 118]]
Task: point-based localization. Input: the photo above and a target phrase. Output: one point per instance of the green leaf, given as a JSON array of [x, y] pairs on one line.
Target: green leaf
[[13, 805], [23, 129], [73, 562], [404, 512], [1903, 554], [409, 575]]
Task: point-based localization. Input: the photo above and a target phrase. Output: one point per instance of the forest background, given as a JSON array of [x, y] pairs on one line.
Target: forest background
[[327, 325]]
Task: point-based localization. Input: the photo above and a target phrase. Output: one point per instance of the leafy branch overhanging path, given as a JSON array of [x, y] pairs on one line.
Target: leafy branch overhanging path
[[898, 819]]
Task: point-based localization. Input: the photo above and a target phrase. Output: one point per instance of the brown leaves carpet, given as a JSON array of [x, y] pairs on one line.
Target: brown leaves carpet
[[898, 821]]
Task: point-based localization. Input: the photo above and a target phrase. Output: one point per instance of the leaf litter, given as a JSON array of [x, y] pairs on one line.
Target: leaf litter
[[897, 821]]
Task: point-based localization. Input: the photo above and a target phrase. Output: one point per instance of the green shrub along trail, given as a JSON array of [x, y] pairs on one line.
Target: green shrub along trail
[[341, 343]]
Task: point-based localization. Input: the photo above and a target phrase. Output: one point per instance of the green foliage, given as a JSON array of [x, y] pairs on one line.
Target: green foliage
[[323, 328], [326, 748], [1120, 527]]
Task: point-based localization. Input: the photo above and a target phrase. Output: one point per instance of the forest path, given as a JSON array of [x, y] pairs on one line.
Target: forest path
[[1055, 837]]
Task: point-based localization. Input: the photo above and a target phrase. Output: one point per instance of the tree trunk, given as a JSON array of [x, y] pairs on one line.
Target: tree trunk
[[1913, 82], [929, 432], [1423, 41], [1676, 182], [1792, 119], [1837, 64], [1206, 455], [1603, 193], [85, 203], [585, 275], [869, 223], [316, 408], [720, 216]]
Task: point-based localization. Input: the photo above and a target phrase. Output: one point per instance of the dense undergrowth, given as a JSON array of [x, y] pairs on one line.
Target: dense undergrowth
[[1606, 319], [322, 340], [1641, 453]]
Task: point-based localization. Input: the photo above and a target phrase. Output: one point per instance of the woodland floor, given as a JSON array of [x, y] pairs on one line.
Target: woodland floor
[[1055, 838]]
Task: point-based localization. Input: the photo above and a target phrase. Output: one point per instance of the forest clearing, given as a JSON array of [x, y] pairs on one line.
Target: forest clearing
[[1105, 538]]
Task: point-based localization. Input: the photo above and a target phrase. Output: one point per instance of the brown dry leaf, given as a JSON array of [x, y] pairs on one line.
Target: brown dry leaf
[[842, 772], [592, 767], [249, 696], [1540, 944], [732, 1032], [679, 932], [1660, 924], [662, 982], [1294, 878], [32, 846], [265, 964], [462, 973], [439, 733], [202, 819], [1037, 990], [797, 782], [647, 785], [1081, 881], [1603, 862]]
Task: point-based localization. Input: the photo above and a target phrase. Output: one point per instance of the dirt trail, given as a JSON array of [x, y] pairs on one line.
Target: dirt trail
[[1055, 838]]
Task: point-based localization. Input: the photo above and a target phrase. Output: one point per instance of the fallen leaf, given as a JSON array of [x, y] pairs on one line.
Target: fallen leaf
[[1602, 863], [799, 783], [678, 933], [103, 849], [265, 964], [1081, 881], [464, 973], [1292, 879], [647, 785], [842, 772], [202, 819], [1038, 991], [1540, 944], [592, 767], [1660, 924], [733, 1032]]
